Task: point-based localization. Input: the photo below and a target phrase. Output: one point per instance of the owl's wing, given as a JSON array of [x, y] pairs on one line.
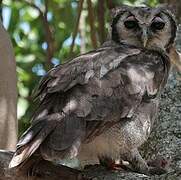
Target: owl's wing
[[88, 70], [64, 77]]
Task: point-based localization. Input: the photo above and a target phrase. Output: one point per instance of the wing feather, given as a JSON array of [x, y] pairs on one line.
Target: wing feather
[[33, 138]]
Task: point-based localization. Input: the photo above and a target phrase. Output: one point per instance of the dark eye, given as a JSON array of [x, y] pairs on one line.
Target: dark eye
[[157, 25], [131, 24]]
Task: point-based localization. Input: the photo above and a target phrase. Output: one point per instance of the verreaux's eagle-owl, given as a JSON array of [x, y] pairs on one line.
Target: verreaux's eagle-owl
[[103, 103]]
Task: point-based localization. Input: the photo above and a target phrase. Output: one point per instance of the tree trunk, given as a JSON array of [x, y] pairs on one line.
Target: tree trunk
[[8, 93]]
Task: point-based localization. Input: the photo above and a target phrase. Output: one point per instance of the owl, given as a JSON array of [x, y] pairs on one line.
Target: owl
[[102, 104]]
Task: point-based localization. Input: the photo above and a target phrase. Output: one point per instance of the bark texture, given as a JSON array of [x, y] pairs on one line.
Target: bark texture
[[8, 93]]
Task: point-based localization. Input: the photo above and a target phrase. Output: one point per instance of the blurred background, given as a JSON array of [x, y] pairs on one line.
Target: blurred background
[[45, 33]]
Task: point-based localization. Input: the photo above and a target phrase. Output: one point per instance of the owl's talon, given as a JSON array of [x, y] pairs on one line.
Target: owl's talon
[[111, 165], [116, 167], [158, 166]]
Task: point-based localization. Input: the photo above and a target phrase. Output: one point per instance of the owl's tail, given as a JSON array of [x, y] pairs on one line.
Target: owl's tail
[[33, 138]]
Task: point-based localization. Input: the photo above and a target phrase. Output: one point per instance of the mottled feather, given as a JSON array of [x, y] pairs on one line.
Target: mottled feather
[[110, 91]]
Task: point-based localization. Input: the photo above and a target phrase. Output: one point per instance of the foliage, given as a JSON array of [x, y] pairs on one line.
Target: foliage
[[41, 33]]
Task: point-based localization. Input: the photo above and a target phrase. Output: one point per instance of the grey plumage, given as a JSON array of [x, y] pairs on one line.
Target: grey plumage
[[102, 103]]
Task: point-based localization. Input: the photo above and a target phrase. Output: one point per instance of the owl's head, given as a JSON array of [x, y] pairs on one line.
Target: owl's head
[[144, 27]]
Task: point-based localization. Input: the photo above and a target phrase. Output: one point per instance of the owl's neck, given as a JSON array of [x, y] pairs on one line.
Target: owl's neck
[[112, 43]]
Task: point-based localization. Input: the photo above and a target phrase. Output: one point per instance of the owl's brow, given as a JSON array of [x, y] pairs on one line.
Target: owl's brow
[[132, 15], [141, 21]]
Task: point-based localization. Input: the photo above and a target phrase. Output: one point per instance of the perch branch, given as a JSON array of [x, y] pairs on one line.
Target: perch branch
[[44, 170]]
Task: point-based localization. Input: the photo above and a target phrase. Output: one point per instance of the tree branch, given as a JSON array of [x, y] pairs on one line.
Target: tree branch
[[82, 33], [74, 34], [48, 35], [101, 20], [110, 4], [1, 8], [49, 38], [91, 23]]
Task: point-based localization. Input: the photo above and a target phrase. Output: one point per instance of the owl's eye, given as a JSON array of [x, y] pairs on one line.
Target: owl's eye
[[157, 25], [131, 24]]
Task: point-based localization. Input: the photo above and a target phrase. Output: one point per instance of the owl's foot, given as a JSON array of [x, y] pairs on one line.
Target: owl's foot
[[138, 164], [158, 166], [111, 164]]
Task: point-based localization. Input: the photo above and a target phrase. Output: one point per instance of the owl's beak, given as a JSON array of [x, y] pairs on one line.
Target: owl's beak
[[144, 37]]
